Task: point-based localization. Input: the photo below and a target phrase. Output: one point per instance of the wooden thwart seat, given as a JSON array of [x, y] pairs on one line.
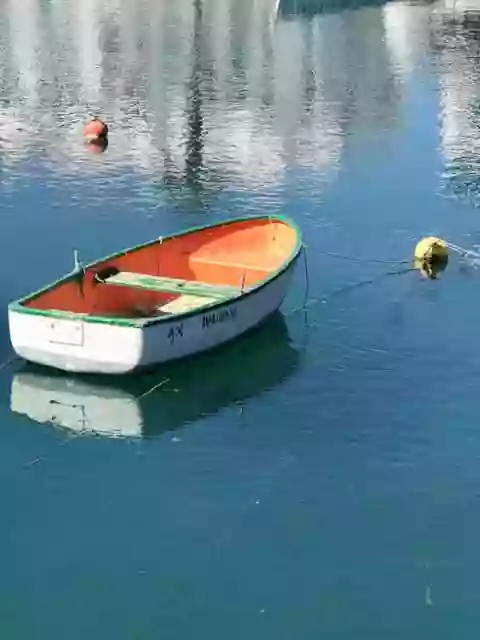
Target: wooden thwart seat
[[172, 285], [186, 303]]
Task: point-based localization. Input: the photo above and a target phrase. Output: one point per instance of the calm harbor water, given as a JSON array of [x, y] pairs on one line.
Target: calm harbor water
[[320, 477]]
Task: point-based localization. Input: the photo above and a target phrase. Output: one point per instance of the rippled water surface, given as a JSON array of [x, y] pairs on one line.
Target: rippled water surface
[[320, 477]]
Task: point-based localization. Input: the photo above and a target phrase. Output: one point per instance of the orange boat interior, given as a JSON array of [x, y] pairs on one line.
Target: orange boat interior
[[213, 263]]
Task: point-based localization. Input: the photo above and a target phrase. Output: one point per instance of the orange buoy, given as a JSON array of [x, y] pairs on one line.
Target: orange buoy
[[96, 129]]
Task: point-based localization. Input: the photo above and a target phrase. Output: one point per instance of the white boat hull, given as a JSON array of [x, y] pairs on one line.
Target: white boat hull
[[82, 345]]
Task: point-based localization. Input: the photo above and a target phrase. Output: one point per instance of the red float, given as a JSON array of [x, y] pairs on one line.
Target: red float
[[95, 130]]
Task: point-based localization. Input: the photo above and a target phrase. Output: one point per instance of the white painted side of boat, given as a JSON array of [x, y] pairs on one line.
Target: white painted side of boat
[[90, 347], [74, 345]]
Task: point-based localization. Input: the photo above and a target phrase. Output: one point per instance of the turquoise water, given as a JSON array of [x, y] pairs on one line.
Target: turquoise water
[[320, 477]]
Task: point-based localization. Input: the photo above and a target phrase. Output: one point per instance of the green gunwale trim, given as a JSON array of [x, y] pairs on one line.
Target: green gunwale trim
[[17, 306]]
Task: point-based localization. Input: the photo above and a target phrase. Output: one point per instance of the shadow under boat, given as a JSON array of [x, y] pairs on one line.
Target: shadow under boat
[[173, 396]]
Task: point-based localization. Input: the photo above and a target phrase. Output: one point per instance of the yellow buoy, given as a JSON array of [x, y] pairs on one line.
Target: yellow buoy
[[431, 249], [431, 256]]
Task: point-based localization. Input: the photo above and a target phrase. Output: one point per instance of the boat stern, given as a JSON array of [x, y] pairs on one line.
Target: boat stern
[[69, 342]]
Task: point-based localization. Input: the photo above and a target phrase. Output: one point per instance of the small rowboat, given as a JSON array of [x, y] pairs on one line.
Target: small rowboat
[[167, 299]]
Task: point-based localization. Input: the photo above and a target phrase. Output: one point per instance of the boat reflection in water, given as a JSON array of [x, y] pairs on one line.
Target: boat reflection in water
[[149, 404]]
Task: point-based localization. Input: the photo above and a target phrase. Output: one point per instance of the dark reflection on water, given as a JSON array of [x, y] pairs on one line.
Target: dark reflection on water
[[178, 394], [194, 147], [314, 7]]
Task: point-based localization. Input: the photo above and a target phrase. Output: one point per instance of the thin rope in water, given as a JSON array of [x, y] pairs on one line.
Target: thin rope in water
[[9, 361], [307, 304], [46, 457], [341, 256], [462, 251], [307, 277], [152, 389]]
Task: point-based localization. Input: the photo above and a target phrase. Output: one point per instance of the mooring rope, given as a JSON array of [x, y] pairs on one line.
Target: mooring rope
[[362, 260], [427, 249], [462, 251], [9, 361], [307, 303], [154, 388], [307, 278]]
